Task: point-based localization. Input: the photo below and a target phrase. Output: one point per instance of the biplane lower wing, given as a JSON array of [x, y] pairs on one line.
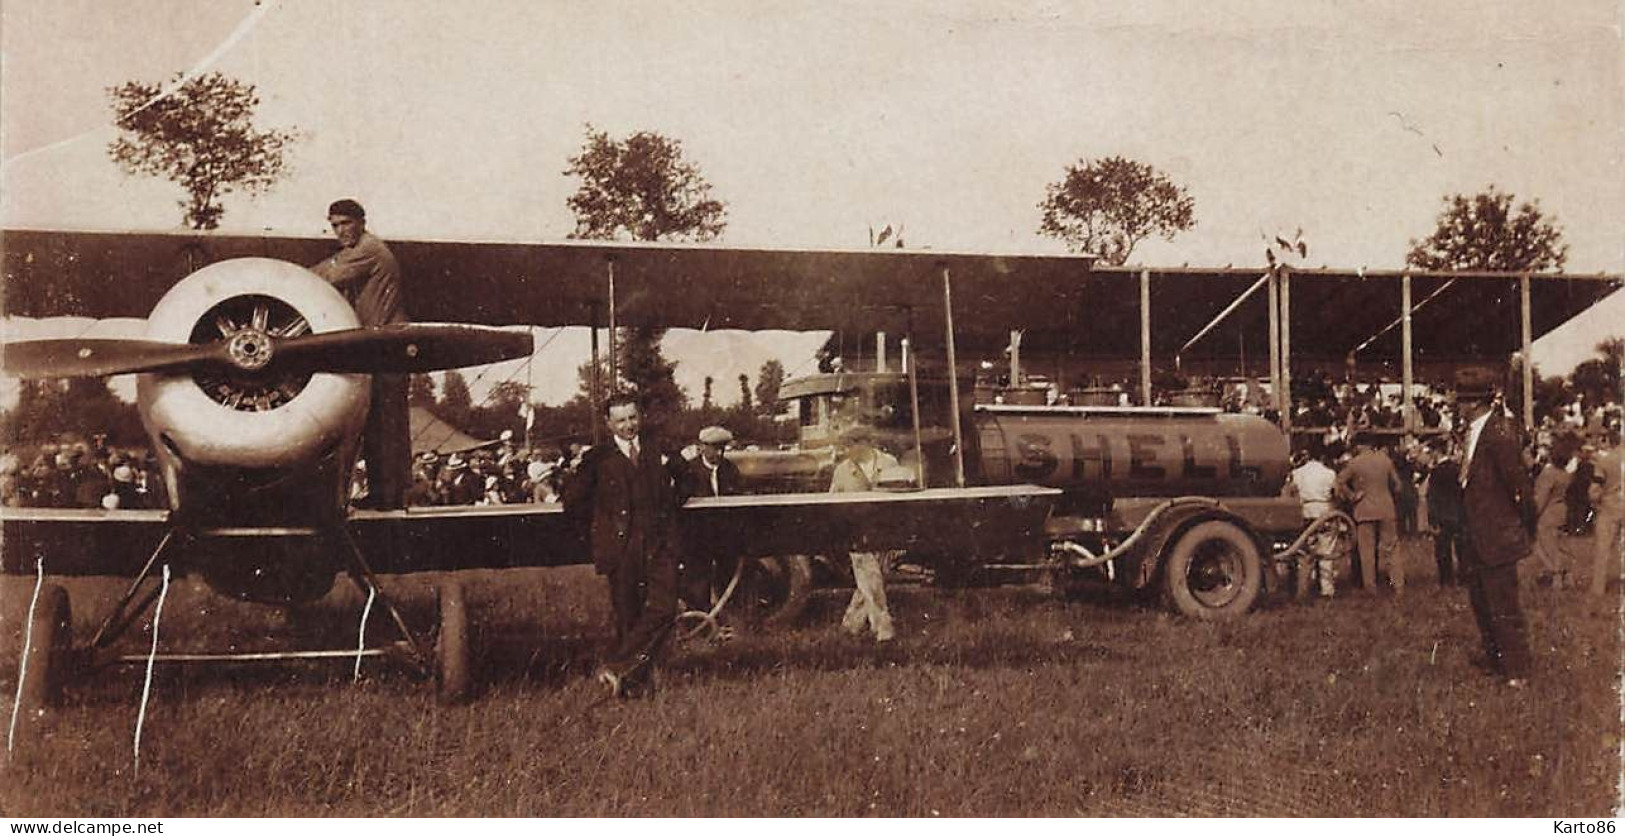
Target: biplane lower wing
[[983, 520]]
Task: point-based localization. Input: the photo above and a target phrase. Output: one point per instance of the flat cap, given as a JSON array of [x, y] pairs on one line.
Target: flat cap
[[346, 208], [715, 435]]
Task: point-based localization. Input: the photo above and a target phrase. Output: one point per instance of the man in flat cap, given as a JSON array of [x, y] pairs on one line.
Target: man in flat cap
[[702, 571], [1496, 500], [364, 270]]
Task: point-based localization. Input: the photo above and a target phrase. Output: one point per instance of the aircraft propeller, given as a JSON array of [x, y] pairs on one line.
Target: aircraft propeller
[[384, 349]]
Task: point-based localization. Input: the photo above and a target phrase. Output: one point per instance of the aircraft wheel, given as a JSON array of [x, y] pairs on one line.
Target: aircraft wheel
[[49, 654], [777, 589], [453, 663], [1213, 572]]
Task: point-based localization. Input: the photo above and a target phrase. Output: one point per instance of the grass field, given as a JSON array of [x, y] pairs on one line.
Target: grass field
[[994, 702]]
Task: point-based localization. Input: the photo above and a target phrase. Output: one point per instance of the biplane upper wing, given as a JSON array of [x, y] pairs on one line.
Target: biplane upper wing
[[984, 520], [1062, 303]]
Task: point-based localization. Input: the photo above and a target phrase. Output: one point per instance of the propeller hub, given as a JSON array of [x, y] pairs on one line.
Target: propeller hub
[[249, 349]]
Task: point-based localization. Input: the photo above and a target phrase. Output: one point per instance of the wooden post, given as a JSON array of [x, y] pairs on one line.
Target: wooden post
[[1145, 338], [1408, 365], [953, 378], [880, 351], [614, 372], [1528, 363], [1286, 350], [594, 384], [914, 410], [1015, 360], [1274, 294]]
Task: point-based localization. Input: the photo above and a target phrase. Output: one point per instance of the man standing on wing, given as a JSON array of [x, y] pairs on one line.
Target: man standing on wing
[[623, 494], [1495, 514], [364, 270]]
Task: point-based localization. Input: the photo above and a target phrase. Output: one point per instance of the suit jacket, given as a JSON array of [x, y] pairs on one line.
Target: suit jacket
[[696, 479], [1370, 482], [1551, 485], [627, 511], [1444, 494], [1497, 499]]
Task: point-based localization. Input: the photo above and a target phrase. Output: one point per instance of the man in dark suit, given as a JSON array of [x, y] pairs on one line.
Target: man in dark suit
[[1495, 514], [708, 474], [624, 496]]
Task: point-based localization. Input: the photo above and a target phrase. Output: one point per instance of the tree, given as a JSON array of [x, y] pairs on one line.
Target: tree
[[1106, 207], [84, 406], [420, 390], [768, 381], [705, 400], [1599, 377], [642, 188], [456, 401], [745, 405], [200, 134], [1484, 232]]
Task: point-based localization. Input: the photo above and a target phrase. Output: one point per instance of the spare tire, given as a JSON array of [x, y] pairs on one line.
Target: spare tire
[[1214, 571]]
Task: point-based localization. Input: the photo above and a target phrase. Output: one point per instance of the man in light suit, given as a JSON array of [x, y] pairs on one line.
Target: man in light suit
[[624, 496], [1496, 511], [1369, 482]]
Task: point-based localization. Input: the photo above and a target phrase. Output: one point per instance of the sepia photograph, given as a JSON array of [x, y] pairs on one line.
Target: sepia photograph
[[732, 410]]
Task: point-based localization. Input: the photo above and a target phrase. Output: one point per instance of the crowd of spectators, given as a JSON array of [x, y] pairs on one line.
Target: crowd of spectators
[[500, 474], [79, 475]]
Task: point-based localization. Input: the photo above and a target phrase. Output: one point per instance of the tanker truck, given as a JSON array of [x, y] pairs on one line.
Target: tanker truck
[[1185, 503]]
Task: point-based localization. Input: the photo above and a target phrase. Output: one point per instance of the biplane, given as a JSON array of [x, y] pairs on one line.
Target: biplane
[[253, 389]]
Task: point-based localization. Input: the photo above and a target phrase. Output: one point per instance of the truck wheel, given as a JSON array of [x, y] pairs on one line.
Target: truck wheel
[[48, 655], [776, 589], [453, 667], [1213, 571]]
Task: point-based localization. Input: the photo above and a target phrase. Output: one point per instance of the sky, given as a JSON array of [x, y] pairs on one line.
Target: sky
[[816, 121]]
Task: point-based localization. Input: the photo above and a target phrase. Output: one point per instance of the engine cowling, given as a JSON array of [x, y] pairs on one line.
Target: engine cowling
[[237, 419]]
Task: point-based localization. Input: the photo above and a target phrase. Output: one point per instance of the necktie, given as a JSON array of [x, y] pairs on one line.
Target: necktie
[[633, 447]]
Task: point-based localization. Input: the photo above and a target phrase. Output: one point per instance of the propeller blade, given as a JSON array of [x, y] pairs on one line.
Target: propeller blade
[[34, 359], [401, 348]]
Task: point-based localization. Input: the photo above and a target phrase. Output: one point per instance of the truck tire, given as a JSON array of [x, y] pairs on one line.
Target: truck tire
[[776, 590], [1214, 571]]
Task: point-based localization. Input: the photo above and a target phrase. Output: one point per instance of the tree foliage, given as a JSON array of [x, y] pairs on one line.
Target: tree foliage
[[768, 380], [80, 407], [1485, 232], [1108, 206], [199, 135], [1599, 377], [420, 390], [643, 188]]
